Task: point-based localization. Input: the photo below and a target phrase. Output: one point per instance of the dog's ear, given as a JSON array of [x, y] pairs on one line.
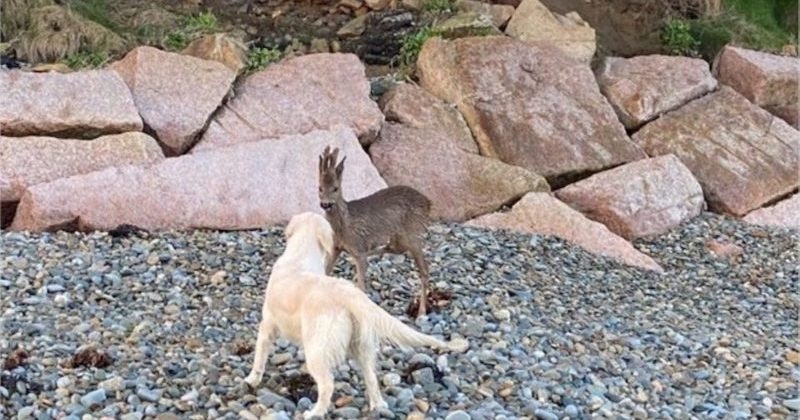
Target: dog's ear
[[288, 231], [325, 238]]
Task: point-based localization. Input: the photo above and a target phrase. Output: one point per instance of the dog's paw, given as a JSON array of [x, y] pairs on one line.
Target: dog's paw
[[378, 405], [311, 414], [458, 345], [252, 381]]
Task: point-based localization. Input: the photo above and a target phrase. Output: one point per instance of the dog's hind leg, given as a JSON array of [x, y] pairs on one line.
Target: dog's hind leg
[[266, 330], [325, 343], [366, 349]]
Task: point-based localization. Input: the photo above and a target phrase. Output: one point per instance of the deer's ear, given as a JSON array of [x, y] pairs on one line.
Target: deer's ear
[[340, 168]]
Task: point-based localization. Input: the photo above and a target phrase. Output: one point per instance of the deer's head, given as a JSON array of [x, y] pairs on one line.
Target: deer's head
[[330, 178]]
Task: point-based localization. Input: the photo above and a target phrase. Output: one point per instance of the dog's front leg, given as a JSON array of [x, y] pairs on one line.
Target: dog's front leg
[[266, 330]]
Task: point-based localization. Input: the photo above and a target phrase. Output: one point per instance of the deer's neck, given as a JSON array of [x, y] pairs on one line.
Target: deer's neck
[[339, 217]]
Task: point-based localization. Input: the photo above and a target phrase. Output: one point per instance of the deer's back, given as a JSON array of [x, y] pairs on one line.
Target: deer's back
[[391, 210]]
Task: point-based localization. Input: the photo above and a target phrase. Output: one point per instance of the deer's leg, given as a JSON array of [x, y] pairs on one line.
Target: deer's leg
[[332, 260], [414, 246], [361, 270], [422, 266]]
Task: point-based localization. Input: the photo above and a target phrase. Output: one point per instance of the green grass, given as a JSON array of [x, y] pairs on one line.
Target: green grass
[[87, 59], [777, 16], [678, 38], [437, 6], [764, 25], [97, 11], [412, 44], [191, 28], [260, 58]]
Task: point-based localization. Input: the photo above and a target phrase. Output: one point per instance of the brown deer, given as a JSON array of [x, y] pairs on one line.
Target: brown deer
[[392, 220]]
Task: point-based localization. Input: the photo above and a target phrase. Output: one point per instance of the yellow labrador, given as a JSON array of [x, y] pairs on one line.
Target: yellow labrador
[[329, 317]]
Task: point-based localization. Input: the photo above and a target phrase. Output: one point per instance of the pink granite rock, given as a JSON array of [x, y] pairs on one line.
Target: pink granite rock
[[26, 161], [642, 198], [247, 186], [460, 185], [785, 213], [770, 81], [742, 156], [541, 213], [528, 105], [82, 104], [174, 93], [296, 96], [642, 88]]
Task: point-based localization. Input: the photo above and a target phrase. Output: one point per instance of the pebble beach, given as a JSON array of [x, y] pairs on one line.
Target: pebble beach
[[554, 332]]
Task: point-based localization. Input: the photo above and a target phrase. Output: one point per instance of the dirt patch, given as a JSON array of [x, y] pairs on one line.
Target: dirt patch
[[91, 357], [17, 358], [437, 300]]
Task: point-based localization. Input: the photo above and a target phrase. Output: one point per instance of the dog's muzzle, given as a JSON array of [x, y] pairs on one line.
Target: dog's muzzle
[[326, 205]]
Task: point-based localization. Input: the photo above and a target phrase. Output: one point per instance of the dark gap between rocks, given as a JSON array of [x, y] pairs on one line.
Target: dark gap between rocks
[[8, 210]]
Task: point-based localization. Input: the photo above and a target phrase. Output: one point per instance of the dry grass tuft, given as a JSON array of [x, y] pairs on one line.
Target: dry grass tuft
[[15, 16], [55, 33]]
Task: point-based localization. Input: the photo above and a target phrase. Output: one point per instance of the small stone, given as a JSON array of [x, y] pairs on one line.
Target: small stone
[[571, 411], [793, 357], [415, 415], [391, 379], [458, 415], [148, 395], [94, 398], [247, 415], [281, 358], [25, 413], [113, 384], [543, 414], [423, 376], [793, 404], [347, 412]]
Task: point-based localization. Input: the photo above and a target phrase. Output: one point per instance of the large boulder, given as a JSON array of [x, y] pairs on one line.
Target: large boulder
[[465, 24], [742, 156], [26, 161], [534, 22], [644, 87], [528, 105], [175, 93], [219, 47], [770, 81], [428, 146], [785, 213], [642, 198], [83, 104], [296, 96], [412, 106], [500, 13], [543, 214], [246, 186], [460, 185]]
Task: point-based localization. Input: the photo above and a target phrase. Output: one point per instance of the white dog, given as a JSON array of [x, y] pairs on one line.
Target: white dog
[[329, 317]]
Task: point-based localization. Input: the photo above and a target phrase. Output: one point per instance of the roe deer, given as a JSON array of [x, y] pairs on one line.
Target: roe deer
[[392, 220]]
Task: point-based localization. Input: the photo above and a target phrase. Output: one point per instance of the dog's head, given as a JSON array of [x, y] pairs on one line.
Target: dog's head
[[313, 225]]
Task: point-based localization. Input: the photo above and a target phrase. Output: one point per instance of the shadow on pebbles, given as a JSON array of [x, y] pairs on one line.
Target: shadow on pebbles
[[555, 332]]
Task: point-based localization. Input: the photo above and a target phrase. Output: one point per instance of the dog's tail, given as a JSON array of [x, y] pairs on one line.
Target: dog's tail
[[384, 326]]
